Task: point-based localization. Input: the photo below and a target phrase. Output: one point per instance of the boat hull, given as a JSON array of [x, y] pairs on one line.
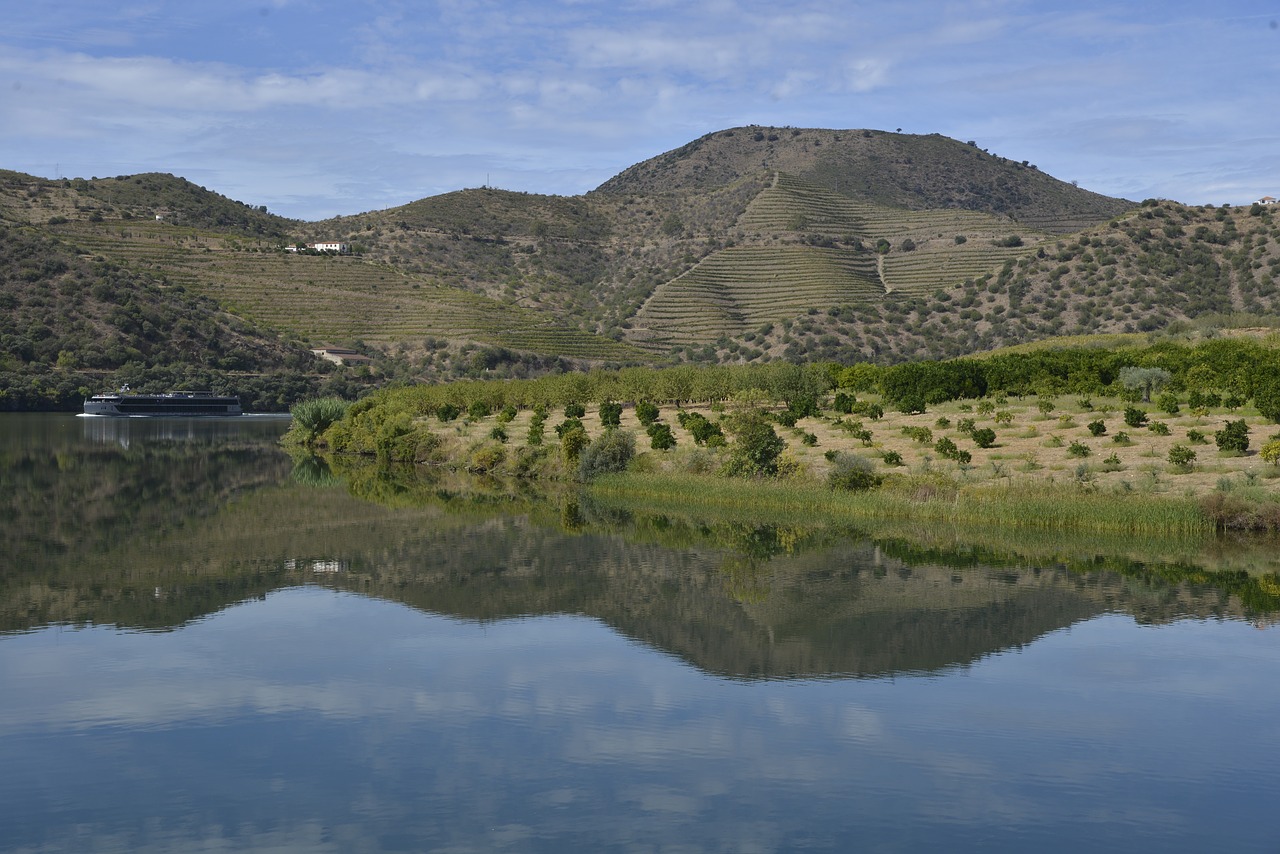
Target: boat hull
[[177, 403]]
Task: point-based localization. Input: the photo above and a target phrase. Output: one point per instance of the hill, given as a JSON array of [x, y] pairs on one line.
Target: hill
[[73, 323], [127, 197], [746, 245], [914, 172]]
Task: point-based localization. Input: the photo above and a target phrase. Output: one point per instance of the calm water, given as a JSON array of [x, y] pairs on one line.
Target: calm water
[[206, 647]]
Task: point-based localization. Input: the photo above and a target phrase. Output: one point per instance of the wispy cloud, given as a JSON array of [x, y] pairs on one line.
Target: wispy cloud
[[563, 95]]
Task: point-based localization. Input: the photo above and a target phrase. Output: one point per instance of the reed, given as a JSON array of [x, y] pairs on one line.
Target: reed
[[919, 500]]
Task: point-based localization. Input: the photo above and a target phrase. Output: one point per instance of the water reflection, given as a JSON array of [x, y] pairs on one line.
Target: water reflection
[[209, 645], [126, 431], [157, 534], [352, 723]]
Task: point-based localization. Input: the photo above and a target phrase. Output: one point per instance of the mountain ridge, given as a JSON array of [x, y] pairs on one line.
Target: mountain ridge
[[747, 244]]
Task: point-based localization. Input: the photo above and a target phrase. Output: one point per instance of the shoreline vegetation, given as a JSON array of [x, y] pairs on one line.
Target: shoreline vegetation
[[1166, 440], [659, 511]]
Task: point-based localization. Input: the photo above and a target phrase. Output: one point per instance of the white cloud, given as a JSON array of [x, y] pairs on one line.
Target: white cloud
[[534, 90]]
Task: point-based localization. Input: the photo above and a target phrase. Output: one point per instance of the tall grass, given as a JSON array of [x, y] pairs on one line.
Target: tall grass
[[1010, 507]]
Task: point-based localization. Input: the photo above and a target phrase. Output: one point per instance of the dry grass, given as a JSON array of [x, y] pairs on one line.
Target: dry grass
[[1030, 452]]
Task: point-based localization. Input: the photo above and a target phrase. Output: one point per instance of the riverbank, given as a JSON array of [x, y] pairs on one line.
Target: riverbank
[[1095, 464]]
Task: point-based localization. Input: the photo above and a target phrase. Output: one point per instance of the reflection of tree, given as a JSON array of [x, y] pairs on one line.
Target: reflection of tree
[[311, 470]]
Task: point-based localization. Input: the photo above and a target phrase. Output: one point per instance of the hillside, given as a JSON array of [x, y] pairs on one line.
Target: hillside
[[746, 245], [72, 324], [129, 197]]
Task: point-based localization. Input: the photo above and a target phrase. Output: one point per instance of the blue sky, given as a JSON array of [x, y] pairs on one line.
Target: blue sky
[[316, 108]]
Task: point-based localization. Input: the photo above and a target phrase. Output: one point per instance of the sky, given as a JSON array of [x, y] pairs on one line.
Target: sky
[[317, 108]]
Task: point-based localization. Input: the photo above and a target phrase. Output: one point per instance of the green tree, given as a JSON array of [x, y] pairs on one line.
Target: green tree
[[1181, 456], [572, 441], [1144, 380], [660, 437], [1265, 389], [1233, 437], [1134, 417], [610, 452], [1168, 403], [646, 412], [611, 414], [984, 437], [755, 448]]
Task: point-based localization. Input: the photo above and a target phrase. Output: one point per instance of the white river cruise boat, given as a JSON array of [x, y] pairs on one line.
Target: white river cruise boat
[[181, 403]]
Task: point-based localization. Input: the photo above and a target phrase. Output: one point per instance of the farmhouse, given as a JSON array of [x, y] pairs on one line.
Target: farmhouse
[[341, 356], [333, 246], [1267, 200]]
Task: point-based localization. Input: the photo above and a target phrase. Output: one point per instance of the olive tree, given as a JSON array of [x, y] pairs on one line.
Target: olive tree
[[1145, 380]]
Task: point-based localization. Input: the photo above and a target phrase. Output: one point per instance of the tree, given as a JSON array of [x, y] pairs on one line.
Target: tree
[[1182, 456], [1233, 437], [755, 447], [313, 417], [1145, 380], [1265, 388], [646, 412], [704, 432], [660, 437], [1270, 452], [572, 441], [610, 452], [611, 414]]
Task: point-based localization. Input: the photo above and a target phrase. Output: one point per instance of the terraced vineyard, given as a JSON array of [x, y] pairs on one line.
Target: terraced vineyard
[[790, 204], [328, 299], [741, 287], [923, 272]]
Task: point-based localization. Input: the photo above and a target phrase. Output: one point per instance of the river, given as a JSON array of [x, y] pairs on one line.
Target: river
[[205, 645]]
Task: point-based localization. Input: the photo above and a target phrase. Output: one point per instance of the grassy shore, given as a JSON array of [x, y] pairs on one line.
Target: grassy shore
[[1066, 463]]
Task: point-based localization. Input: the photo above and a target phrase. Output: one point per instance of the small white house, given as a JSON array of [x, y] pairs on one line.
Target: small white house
[[341, 356], [1267, 200], [339, 248]]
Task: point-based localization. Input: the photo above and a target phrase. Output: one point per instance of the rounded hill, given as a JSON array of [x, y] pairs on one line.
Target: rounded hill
[[912, 171]]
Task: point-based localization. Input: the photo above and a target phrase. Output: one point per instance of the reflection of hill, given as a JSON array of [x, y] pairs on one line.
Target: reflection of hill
[[843, 609], [63, 496]]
